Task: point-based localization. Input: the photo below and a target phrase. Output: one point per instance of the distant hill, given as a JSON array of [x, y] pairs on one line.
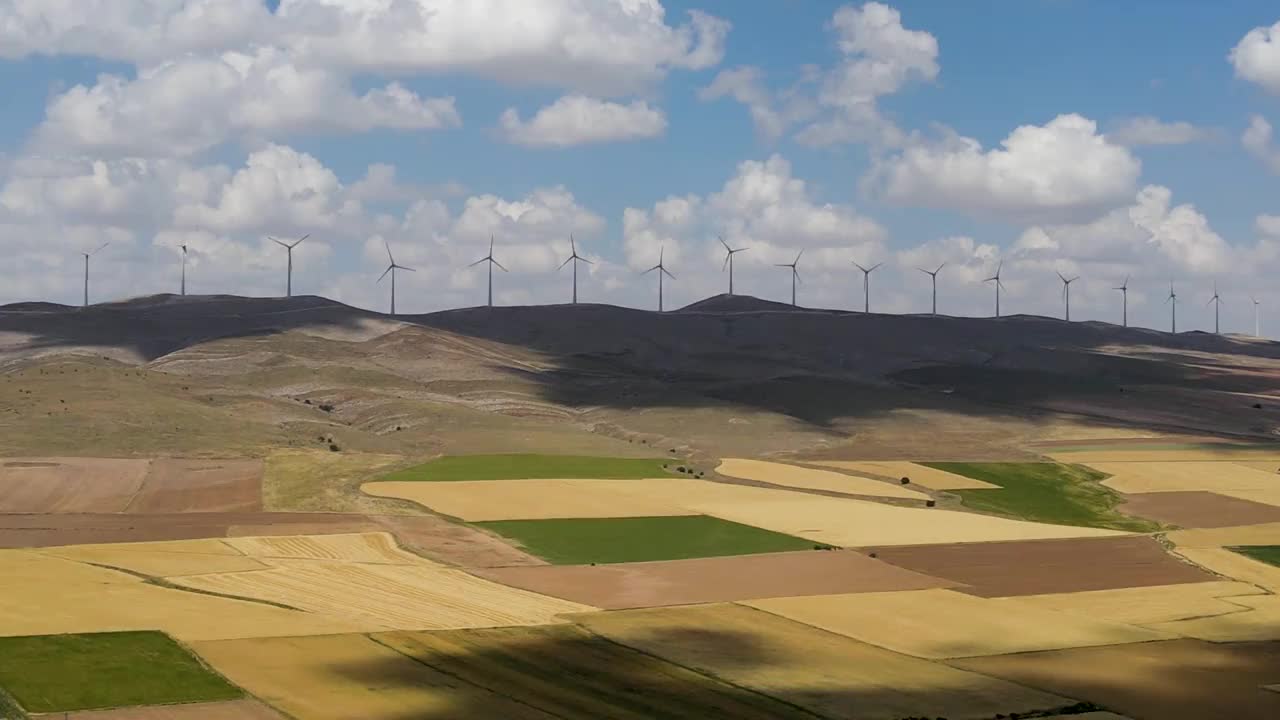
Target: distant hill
[[726, 303]]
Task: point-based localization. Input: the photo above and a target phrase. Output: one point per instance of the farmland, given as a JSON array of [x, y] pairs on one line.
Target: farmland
[[518, 466], [1269, 554]]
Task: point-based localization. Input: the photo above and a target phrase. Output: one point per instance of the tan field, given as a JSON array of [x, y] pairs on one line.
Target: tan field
[[68, 485], [948, 624], [814, 479], [919, 474], [351, 547], [1268, 496], [481, 500], [177, 485], [163, 559], [840, 521], [1235, 566], [830, 675], [229, 710], [1145, 605], [1263, 534], [388, 597], [1268, 466], [1144, 477], [339, 677], [1257, 618], [1226, 453]]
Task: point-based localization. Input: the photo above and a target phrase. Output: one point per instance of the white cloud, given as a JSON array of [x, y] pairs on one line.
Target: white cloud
[[1268, 225], [1148, 130], [1256, 58], [1257, 141], [188, 105], [579, 120], [1063, 169]]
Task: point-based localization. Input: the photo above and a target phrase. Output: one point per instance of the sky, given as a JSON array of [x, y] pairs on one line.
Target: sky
[[1086, 138]]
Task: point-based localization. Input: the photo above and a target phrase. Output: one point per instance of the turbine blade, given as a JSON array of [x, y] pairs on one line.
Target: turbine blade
[[586, 261], [725, 244], [566, 262], [668, 273], [387, 245], [298, 242], [1060, 277], [935, 272], [864, 270], [873, 267], [725, 266], [478, 262], [281, 244], [495, 262], [401, 267], [655, 267], [797, 260], [926, 272], [384, 272], [573, 245]]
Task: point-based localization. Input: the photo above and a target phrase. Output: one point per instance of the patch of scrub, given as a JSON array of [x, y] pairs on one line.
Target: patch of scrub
[[529, 466]]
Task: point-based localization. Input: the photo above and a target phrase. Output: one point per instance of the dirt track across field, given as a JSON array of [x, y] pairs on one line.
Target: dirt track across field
[[1036, 567], [721, 579], [1199, 509], [174, 485], [230, 710], [1171, 680]]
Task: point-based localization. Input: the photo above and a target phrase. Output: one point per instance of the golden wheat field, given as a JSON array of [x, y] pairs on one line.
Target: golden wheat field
[[1144, 477], [482, 500], [947, 624], [1261, 534], [1258, 618], [1144, 605], [814, 479], [163, 559], [1234, 565], [918, 474], [368, 547]]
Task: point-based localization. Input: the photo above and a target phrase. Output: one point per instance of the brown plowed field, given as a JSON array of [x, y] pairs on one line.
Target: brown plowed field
[[69, 485], [720, 579], [1199, 509], [998, 569], [230, 710], [1170, 680], [174, 485]]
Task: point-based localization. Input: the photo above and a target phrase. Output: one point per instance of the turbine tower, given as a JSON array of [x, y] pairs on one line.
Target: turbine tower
[[1066, 292], [996, 279], [728, 260], [933, 275], [288, 287], [795, 275], [1124, 291], [574, 258], [1216, 302], [184, 270], [1256, 332], [1173, 309], [392, 267], [86, 270], [489, 259], [662, 270], [866, 285]]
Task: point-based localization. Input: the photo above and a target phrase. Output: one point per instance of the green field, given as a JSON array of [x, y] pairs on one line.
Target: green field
[[528, 466], [580, 541], [62, 673], [1046, 492], [1269, 554]]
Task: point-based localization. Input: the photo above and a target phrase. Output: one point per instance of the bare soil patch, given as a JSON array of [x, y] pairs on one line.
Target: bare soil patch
[[720, 579], [68, 485], [230, 710], [998, 569], [1199, 509], [1171, 680], [176, 485]]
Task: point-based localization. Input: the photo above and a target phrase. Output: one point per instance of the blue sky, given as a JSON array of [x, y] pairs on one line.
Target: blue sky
[[1149, 175]]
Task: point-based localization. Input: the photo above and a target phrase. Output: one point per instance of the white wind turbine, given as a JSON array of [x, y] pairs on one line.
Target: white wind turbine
[[1066, 293], [392, 267], [88, 255], [1216, 302], [866, 285], [728, 260], [996, 279], [1124, 292], [662, 270], [574, 258], [933, 275], [795, 275], [1256, 328], [184, 270], [489, 259], [288, 287], [1173, 309]]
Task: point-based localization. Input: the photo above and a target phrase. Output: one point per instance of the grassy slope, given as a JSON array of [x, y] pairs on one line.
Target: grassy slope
[[323, 481], [59, 673], [529, 466], [1046, 492], [1269, 554], [616, 540]]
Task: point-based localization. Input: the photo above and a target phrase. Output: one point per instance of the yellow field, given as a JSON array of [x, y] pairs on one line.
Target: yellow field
[[947, 624], [1270, 496], [1235, 566], [376, 597], [373, 547], [226, 710], [1267, 466], [1144, 605], [823, 672], [340, 677], [481, 500], [842, 521], [1263, 534], [814, 479], [1143, 477], [162, 559], [919, 474], [1224, 454], [1258, 619]]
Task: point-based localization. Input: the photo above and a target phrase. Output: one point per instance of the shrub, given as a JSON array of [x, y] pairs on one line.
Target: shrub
[[929, 503], [906, 481], [326, 407], [680, 469], [333, 447]]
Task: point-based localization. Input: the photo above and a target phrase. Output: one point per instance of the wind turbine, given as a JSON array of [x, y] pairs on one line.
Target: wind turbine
[[1256, 332], [392, 267], [728, 260], [489, 259], [1216, 302], [866, 285], [574, 258], [288, 288], [795, 275], [996, 278], [1124, 291], [86, 270], [1066, 292], [934, 276], [662, 270], [1173, 309], [184, 270]]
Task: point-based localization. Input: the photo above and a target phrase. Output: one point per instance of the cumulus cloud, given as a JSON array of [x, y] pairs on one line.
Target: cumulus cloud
[[1257, 141], [1256, 58], [1063, 169], [1148, 130], [579, 120]]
